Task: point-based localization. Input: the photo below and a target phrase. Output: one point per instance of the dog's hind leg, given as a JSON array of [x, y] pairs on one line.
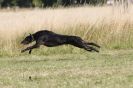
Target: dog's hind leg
[[86, 47], [78, 42], [93, 44], [89, 48]]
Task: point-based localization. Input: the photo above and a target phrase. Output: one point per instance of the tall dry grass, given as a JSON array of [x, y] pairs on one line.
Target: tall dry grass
[[106, 26]]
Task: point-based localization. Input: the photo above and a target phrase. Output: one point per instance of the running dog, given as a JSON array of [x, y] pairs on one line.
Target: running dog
[[51, 39]]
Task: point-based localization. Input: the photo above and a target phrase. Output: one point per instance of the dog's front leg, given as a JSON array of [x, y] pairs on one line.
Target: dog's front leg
[[30, 48]]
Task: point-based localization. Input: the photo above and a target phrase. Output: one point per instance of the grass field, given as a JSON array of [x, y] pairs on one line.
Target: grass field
[[108, 69], [67, 66]]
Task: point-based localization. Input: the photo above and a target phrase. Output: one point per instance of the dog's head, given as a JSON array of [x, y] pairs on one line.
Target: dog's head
[[28, 39]]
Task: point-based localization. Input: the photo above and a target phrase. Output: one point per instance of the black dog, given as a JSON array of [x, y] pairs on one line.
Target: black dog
[[51, 39]]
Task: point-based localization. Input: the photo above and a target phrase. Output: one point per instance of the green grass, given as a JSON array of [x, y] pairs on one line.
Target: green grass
[[79, 69]]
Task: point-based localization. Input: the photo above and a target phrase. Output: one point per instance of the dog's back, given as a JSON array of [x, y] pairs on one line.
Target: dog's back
[[49, 35], [43, 32]]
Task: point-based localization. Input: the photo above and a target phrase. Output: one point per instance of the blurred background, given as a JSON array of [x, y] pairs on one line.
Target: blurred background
[[57, 3]]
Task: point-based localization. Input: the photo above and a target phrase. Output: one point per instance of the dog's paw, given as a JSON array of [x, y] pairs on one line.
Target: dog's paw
[[99, 46], [22, 51], [30, 51], [97, 51]]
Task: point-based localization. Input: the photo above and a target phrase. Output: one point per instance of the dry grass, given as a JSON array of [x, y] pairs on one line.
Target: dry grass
[[110, 28]]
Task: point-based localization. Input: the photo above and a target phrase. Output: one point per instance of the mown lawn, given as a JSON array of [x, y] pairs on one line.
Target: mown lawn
[[107, 69]]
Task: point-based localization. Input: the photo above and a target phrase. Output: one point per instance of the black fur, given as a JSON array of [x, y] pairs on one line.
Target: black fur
[[51, 39]]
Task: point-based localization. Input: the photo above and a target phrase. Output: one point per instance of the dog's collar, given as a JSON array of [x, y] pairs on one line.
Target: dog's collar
[[32, 37]]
